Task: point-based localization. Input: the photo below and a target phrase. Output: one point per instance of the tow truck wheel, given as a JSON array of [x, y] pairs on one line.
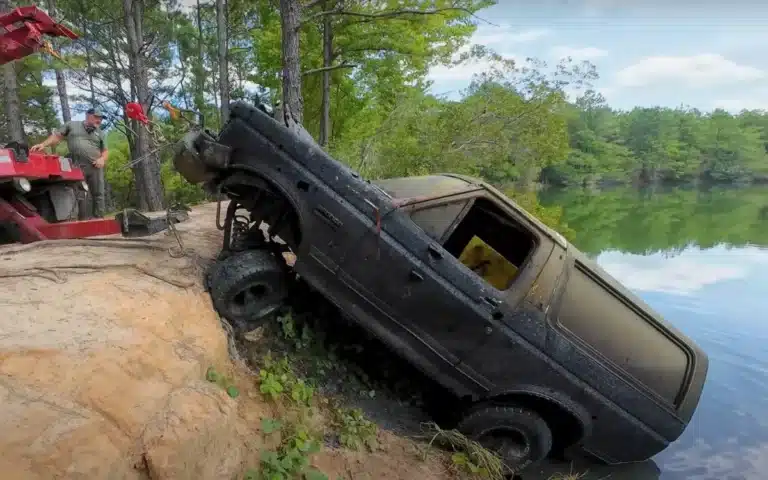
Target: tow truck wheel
[[519, 436], [247, 287]]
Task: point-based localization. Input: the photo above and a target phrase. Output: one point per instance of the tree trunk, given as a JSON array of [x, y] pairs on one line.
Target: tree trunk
[[61, 86], [325, 118], [12, 103], [147, 171], [88, 60], [199, 68], [61, 83], [293, 103], [223, 37]]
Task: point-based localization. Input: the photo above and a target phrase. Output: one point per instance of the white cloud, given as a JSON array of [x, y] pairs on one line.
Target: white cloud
[[703, 70], [681, 275], [716, 461], [578, 53]]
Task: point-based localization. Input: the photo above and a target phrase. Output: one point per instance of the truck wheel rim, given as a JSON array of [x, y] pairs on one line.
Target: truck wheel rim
[[254, 300], [508, 443]]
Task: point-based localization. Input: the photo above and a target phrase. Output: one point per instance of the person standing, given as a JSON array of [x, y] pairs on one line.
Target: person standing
[[85, 141]]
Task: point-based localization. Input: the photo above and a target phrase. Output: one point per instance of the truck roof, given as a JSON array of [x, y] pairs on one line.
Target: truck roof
[[427, 186], [407, 190]]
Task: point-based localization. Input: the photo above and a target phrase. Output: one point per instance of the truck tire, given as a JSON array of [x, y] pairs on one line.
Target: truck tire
[[247, 287], [518, 435]]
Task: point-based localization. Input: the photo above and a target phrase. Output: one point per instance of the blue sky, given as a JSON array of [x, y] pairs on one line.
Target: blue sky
[[703, 54]]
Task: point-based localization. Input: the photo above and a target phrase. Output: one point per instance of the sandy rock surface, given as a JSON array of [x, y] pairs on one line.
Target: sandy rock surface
[[103, 354]]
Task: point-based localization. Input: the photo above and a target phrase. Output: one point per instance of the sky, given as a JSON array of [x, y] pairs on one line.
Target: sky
[[705, 54]]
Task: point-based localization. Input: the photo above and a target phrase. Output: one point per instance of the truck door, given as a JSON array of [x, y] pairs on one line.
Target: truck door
[[491, 258], [411, 306]]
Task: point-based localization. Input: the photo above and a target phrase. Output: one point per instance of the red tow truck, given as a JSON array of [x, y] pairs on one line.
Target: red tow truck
[[38, 199]]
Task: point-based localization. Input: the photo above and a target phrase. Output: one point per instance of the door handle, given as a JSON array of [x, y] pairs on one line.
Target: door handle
[[434, 251], [328, 218], [494, 302], [415, 276]]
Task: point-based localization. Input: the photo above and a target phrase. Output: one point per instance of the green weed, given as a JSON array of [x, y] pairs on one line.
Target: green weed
[[223, 381], [278, 380], [291, 459], [355, 431], [301, 336]]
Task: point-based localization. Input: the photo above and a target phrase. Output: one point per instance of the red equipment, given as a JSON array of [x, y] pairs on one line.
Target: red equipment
[[134, 111], [37, 190], [43, 185], [25, 27]]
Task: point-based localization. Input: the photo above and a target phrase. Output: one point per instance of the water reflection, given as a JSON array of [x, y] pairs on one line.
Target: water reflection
[[585, 470], [700, 259], [644, 222]]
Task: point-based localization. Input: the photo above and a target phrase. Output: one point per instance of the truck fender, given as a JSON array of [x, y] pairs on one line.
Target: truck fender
[[563, 402], [268, 178]]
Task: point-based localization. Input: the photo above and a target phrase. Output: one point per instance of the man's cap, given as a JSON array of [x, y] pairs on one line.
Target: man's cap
[[95, 112]]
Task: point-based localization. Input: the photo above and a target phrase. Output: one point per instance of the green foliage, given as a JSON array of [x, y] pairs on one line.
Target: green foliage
[[660, 145], [355, 431], [462, 461], [550, 215], [291, 459], [223, 381], [301, 336], [278, 380]]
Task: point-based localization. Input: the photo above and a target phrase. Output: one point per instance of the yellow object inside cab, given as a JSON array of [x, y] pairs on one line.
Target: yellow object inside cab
[[482, 259]]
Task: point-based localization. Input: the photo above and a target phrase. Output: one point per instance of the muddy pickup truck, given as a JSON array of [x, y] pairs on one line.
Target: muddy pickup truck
[[544, 348]]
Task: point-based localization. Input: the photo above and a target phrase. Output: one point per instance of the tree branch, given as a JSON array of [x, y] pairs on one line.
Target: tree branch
[[312, 4], [370, 17], [326, 69]]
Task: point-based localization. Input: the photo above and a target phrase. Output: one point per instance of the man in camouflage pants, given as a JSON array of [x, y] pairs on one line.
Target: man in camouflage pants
[[85, 141]]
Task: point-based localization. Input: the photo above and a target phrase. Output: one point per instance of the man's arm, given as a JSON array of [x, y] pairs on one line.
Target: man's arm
[[54, 139]]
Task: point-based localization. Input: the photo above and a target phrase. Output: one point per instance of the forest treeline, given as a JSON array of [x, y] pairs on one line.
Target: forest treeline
[[355, 74]]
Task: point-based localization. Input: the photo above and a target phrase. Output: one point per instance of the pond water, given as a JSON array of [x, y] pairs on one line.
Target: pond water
[[701, 260]]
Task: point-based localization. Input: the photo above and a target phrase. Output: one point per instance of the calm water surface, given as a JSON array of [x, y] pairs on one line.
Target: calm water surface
[[701, 260]]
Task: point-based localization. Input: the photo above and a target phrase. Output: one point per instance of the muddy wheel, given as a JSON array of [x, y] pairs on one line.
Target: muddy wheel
[[518, 435], [247, 287]]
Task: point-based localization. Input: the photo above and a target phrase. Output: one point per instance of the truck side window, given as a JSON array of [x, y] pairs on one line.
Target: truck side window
[[491, 244], [436, 220]]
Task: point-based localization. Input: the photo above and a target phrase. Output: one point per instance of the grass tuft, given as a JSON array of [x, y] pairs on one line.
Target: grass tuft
[[469, 456]]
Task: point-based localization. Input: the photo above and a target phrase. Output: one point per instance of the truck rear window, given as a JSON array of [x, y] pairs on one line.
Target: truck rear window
[[622, 335]]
